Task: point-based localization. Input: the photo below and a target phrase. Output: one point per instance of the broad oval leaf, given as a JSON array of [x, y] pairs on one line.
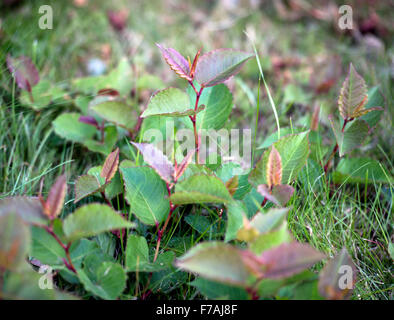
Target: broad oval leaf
[[288, 259], [68, 126], [91, 220], [85, 186], [216, 261], [217, 66], [157, 160], [117, 112], [218, 102], [353, 136], [146, 194], [201, 188], [280, 194], [168, 102], [294, 151], [108, 282], [337, 279]]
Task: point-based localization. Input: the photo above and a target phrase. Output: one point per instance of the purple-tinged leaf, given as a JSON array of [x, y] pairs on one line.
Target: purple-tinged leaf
[[217, 66], [280, 194], [337, 279], [288, 259], [56, 196], [176, 62], [217, 261], [157, 160], [89, 120], [232, 185], [24, 71]]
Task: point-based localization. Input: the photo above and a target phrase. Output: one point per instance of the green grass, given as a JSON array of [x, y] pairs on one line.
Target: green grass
[[328, 217]]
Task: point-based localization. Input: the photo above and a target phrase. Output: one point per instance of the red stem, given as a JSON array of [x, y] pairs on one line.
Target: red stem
[[66, 248], [193, 119], [334, 151]]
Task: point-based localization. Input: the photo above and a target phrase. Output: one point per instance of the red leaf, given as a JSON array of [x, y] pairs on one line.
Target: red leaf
[[24, 71], [56, 196], [184, 164], [157, 160], [176, 62], [110, 165]]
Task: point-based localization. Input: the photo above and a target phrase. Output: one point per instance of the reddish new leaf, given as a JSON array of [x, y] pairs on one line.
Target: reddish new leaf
[[353, 95], [56, 196], [217, 66], [280, 194], [24, 71], [89, 120], [110, 166], [157, 160], [288, 259], [232, 185], [336, 280], [274, 168], [176, 62]]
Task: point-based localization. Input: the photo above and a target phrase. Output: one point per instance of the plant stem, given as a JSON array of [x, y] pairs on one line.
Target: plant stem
[[66, 248], [334, 151], [193, 119]]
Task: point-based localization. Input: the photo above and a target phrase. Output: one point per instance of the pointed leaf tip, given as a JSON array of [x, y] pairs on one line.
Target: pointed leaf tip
[[56, 196]]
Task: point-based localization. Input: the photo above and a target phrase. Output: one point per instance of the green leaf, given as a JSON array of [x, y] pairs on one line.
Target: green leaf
[[169, 102], [271, 239], [113, 188], [91, 220], [137, 253], [353, 94], [375, 98], [146, 194], [45, 248], [216, 261], [14, 242], [391, 250], [201, 188], [108, 283], [273, 137], [68, 126], [215, 290], [200, 223], [236, 211], [217, 66], [137, 256], [117, 112], [120, 79], [218, 102], [85, 186], [110, 138], [333, 276], [41, 93], [354, 135], [265, 222], [294, 151], [361, 170]]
